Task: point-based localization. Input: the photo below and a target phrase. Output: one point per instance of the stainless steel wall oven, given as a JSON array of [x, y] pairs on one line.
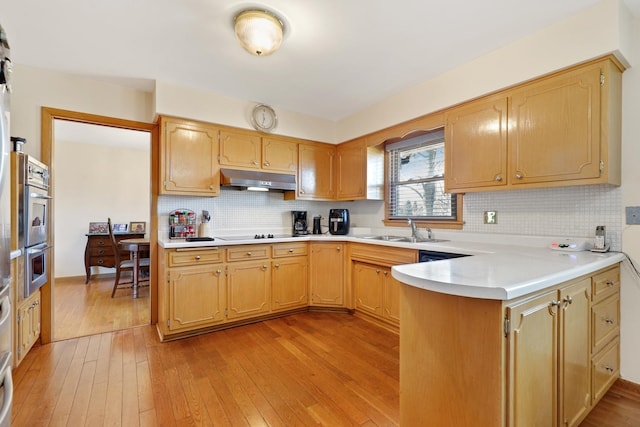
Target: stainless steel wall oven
[[33, 212]]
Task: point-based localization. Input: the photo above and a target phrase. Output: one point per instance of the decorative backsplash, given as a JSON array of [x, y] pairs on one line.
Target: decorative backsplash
[[564, 211]]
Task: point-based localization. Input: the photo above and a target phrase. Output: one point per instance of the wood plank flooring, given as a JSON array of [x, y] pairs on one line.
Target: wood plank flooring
[[329, 369], [82, 310], [306, 369]]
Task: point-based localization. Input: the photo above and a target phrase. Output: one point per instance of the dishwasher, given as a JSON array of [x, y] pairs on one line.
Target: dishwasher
[[430, 256]]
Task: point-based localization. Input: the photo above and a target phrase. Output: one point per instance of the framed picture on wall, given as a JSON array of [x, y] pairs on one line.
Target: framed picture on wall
[[120, 228], [98, 227], [138, 227]]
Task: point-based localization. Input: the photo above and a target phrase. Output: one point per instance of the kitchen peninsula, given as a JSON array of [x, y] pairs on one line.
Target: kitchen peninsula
[[520, 337]]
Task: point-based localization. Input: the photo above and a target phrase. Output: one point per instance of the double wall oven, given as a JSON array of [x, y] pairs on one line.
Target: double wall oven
[[33, 212]]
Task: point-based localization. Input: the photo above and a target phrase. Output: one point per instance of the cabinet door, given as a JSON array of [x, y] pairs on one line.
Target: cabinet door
[[188, 158], [575, 352], [555, 128], [315, 174], [533, 362], [391, 297], [28, 315], [352, 170], [327, 274], [368, 287], [240, 149], [248, 293], [196, 297], [476, 145], [289, 284], [279, 155]]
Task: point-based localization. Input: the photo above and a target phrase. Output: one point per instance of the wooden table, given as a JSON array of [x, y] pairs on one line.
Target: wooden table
[[135, 246]]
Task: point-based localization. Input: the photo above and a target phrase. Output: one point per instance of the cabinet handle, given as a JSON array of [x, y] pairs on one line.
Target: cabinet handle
[[267, 164], [100, 243], [338, 248], [377, 271], [609, 320], [197, 257], [518, 175], [265, 267], [385, 273], [608, 368], [100, 261], [610, 283], [277, 266], [498, 178], [556, 303], [211, 187], [219, 271], [290, 251], [255, 162], [568, 299], [248, 253]]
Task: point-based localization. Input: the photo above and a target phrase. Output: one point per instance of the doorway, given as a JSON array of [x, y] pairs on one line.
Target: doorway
[[57, 123]]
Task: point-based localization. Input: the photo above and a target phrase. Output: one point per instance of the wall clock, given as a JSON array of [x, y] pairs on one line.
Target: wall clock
[[263, 118]]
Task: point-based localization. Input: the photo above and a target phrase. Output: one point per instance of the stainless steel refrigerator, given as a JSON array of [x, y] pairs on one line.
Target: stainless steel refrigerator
[[6, 317]]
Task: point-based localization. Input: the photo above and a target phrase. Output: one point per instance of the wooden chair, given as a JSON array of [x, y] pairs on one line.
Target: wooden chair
[[124, 264]]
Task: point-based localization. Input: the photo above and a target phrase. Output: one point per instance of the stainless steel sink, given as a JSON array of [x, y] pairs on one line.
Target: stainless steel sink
[[389, 238]]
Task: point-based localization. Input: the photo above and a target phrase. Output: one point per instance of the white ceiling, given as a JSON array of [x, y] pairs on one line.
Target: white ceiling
[[338, 56]]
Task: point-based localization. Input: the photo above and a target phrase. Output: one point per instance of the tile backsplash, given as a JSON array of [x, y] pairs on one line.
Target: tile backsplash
[[564, 211]]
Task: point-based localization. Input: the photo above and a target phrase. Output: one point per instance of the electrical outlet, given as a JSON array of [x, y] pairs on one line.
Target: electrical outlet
[[490, 217], [633, 214]]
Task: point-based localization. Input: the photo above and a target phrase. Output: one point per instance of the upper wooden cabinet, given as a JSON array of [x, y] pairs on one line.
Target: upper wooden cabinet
[[476, 144], [359, 171], [316, 172], [562, 129], [188, 158], [247, 150]]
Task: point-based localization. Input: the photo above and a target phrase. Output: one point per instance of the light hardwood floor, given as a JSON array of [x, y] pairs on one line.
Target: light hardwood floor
[[82, 310], [307, 369], [329, 369]]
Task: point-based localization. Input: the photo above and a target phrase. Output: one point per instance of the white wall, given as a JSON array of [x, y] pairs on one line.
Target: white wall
[[94, 182], [630, 298], [34, 88], [593, 32]]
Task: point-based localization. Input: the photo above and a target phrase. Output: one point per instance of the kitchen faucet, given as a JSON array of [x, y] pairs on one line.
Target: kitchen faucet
[[415, 234]]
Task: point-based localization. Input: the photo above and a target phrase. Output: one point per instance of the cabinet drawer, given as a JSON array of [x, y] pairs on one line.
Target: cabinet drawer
[[605, 368], [99, 242], [101, 251], [605, 322], [289, 249], [249, 252], [195, 257], [605, 283], [102, 261]]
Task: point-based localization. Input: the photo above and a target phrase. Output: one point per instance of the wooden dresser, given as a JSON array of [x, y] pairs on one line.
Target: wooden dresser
[[99, 253]]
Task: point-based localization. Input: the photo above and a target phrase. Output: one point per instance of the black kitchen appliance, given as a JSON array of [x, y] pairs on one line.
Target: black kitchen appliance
[[299, 223], [338, 221], [316, 225]]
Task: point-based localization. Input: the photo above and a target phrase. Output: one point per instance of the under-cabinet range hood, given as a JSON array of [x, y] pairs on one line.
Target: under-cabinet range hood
[[257, 180]]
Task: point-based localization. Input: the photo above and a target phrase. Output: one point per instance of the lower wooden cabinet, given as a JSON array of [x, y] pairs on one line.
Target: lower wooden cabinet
[[249, 289], [289, 284], [327, 274], [28, 317], [197, 297], [375, 292], [544, 359]]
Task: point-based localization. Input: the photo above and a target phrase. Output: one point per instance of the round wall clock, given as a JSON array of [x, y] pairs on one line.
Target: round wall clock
[[263, 118]]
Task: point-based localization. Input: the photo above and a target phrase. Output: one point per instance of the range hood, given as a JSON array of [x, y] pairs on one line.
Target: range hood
[[257, 180]]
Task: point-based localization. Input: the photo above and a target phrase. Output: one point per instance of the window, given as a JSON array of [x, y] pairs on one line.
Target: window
[[416, 180]]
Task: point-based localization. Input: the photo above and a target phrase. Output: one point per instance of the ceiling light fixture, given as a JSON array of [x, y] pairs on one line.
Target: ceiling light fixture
[[258, 31]]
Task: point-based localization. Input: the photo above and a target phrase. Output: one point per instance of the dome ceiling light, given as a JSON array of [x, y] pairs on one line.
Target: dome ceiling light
[[259, 32]]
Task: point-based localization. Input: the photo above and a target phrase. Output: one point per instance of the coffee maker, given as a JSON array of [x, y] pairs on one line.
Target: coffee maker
[[299, 223], [339, 221]]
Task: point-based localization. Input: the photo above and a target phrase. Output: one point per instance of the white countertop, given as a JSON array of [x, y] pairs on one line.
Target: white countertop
[[505, 274], [495, 271]]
